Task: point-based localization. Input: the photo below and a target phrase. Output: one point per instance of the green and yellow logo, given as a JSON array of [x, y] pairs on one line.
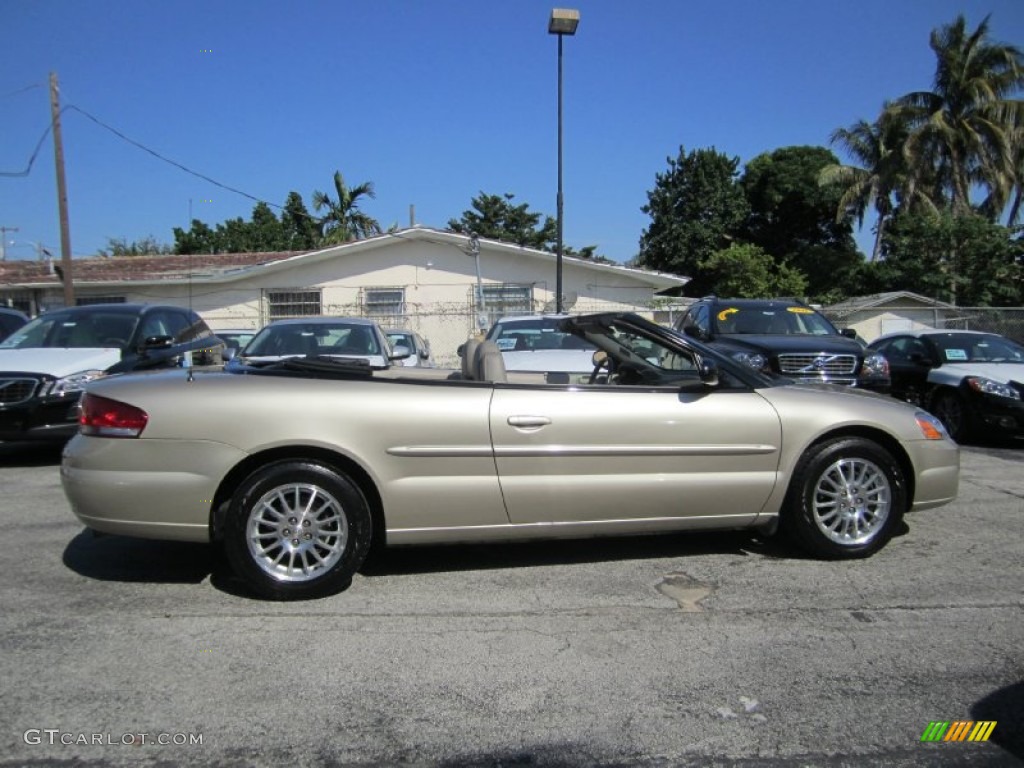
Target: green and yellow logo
[[958, 730]]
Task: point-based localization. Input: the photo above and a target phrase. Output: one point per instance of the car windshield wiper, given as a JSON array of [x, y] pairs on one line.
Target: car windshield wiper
[[315, 366]]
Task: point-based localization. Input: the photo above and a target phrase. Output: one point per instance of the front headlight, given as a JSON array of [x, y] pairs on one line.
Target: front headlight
[[989, 387], [755, 360], [875, 365], [73, 383]]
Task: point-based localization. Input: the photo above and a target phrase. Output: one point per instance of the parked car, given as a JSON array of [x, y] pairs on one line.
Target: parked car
[[787, 338], [536, 343], [10, 321], [973, 381], [296, 469], [234, 339], [45, 364], [419, 348], [353, 338]]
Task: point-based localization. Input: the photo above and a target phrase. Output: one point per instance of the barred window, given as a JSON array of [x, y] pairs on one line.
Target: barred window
[[507, 299], [293, 304], [384, 303], [84, 301]]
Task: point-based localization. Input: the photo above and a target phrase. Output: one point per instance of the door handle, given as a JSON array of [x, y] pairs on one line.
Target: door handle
[[528, 422]]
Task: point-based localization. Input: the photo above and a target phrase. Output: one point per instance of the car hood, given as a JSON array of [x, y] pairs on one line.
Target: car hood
[[59, 361], [1004, 373], [834, 345], [545, 360]]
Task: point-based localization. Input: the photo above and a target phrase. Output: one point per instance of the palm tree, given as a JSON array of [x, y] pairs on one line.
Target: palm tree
[[881, 180], [963, 129], [344, 221]]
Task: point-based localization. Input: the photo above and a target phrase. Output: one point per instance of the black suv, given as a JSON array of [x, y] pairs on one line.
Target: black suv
[[46, 363], [785, 337]]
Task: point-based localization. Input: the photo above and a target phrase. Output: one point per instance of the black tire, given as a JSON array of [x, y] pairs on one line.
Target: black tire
[[951, 409], [297, 530], [845, 500]]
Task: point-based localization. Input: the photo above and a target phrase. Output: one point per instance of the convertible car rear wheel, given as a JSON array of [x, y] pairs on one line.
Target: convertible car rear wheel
[[296, 530], [846, 499]]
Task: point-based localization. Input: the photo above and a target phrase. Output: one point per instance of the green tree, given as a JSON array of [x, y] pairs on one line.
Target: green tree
[[343, 221], [965, 260], [964, 129], [199, 238], [299, 229], [696, 206], [146, 246], [746, 271], [793, 217], [495, 217], [265, 230]]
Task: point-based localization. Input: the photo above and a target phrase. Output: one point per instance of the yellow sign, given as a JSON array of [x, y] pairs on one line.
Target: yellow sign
[[724, 314], [800, 310]]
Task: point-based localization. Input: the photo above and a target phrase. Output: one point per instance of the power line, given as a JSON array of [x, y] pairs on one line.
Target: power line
[[35, 152], [176, 164]]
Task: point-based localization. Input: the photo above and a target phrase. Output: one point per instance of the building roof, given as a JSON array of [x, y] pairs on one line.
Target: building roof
[[890, 297], [225, 267]]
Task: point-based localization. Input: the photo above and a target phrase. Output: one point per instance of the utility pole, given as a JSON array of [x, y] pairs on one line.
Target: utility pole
[[3, 241], [62, 195]]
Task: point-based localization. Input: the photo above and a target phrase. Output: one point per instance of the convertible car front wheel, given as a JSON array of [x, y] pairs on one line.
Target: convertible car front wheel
[[297, 530], [846, 499]]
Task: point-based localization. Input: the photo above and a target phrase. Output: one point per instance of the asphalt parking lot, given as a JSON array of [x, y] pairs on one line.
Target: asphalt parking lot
[[702, 650]]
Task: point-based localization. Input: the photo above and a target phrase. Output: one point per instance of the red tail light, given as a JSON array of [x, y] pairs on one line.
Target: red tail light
[[103, 417]]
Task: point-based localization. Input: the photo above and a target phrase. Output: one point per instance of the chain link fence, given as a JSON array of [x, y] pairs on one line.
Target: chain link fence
[[874, 322]]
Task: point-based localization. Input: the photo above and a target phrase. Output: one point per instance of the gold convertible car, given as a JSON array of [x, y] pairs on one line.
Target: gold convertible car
[[299, 466]]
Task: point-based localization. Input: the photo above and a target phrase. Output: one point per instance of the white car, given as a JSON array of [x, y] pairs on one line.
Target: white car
[[534, 343], [353, 338]]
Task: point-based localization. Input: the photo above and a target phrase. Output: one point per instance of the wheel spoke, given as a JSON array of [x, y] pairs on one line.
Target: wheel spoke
[[851, 501], [297, 531]]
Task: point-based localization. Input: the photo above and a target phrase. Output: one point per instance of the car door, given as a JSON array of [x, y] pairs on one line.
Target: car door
[[610, 453]]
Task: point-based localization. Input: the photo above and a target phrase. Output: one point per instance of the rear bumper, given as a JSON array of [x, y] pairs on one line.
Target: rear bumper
[[119, 485]]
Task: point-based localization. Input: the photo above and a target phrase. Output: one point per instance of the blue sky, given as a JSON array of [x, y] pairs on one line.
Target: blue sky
[[433, 101]]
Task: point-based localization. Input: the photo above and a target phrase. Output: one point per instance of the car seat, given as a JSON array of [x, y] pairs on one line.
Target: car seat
[[469, 359], [490, 365]]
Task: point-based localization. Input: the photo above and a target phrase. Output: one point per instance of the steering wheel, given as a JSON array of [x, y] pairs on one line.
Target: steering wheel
[[600, 360]]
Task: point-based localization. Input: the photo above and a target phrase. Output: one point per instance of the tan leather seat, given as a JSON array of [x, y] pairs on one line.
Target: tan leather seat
[[469, 359], [490, 365]]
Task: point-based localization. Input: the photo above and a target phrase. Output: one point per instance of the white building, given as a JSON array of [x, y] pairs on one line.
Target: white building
[[420, 278]]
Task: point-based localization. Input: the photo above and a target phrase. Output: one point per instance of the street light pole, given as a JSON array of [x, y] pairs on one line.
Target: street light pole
[[563, 21]]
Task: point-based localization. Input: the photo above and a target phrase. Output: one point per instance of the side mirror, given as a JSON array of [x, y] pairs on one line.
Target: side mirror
[[229, 353], [425, 354], [849, 333], [708, 372], [153, 343], [400, 352], [695, 332], [461, 350]]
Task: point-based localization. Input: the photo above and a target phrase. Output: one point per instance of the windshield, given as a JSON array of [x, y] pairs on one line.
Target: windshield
[[341, 338], [973, 348], [67, 329], [531, 335], [400, 339], [772, 320]]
